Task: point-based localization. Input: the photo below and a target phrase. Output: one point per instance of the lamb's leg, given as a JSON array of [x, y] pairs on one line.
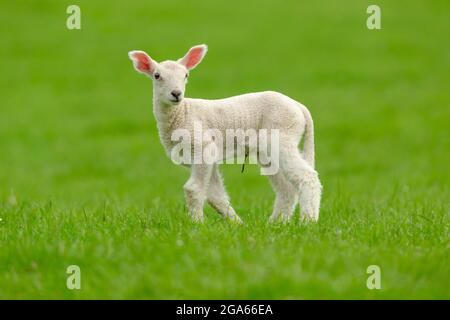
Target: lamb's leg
[[218, 197], [286, 197], [195, 190], [304, 178]]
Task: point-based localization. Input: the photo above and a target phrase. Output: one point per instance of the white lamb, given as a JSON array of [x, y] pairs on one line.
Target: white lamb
[[296, 179]]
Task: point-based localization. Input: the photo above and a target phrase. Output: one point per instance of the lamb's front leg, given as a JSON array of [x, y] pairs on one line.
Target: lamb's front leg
[[218, 197], [195, 190]]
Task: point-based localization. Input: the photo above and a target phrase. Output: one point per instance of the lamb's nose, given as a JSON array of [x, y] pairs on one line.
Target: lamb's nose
[[176, 93]]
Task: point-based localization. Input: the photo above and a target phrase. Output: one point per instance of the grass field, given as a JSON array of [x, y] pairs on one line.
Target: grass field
[[84, 180]]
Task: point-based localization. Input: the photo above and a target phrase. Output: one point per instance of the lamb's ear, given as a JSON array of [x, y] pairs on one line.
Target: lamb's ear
[[142, 62], [194, 56]]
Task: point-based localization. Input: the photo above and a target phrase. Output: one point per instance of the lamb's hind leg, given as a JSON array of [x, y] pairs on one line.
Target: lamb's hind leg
[[218, 197], [286, 197], [304, 178]]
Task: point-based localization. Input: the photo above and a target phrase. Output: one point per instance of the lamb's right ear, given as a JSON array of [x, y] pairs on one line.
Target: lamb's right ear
[[142, 62]]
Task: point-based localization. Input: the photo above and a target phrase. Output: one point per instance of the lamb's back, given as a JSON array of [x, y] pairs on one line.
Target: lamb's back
[[257, 110]]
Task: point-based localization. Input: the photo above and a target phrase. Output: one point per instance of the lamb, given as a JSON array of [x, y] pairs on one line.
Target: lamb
[[296, 181]]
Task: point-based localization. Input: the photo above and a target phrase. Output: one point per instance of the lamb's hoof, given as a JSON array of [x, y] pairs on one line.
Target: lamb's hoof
[[236, 219], [279, 219], [197, 219], [273, 219], [305, 218]]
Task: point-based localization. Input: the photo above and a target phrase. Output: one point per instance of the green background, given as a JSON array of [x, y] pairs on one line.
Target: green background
[[84, 179]]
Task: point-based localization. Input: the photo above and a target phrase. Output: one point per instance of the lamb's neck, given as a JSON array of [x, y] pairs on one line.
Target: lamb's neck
[[166, 114], [168, 118]]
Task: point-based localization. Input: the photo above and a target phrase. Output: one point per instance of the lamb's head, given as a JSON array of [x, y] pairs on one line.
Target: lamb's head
[[169, 77]]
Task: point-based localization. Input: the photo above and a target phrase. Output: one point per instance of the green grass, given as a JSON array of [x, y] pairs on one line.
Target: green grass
[[84, 180]]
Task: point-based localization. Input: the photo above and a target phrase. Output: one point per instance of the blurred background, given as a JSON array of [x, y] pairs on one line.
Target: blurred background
[[77, 129]]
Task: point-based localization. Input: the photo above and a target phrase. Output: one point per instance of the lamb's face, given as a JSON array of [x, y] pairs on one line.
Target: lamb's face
[[169, 82], [169, 77]]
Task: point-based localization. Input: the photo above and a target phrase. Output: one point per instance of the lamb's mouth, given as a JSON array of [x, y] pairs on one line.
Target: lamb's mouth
[[175, 101]]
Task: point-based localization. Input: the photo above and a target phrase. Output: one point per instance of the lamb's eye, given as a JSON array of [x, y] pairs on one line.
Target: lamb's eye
[[187, 75], [157, 76]]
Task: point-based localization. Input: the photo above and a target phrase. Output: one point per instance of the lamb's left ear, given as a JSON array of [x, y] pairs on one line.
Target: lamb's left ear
[[194, 56], [142, 62]]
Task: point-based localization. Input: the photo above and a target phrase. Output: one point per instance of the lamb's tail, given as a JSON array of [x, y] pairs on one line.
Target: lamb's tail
[[308, 148]]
